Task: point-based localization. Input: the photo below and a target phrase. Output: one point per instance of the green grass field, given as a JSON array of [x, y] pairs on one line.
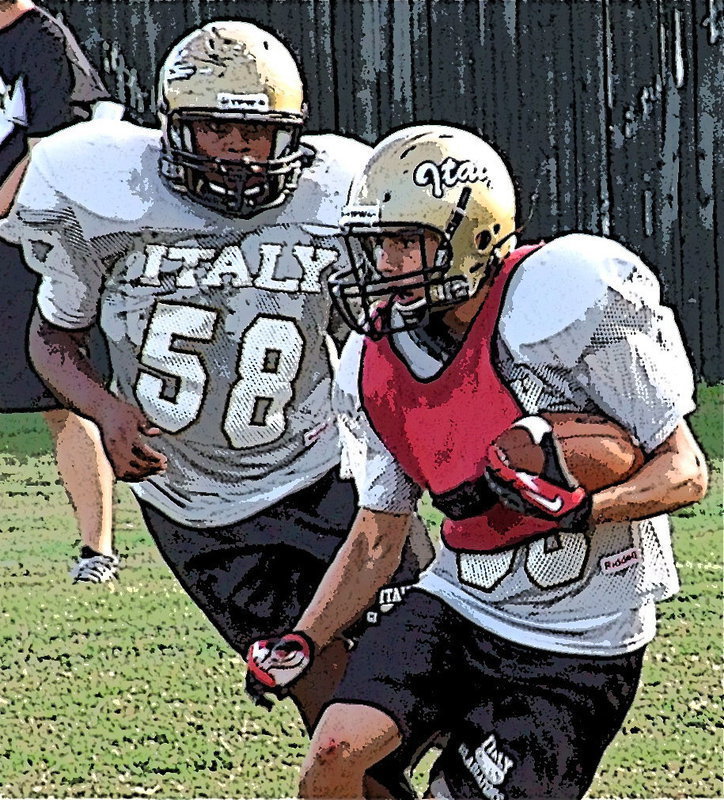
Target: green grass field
[[126, 691]]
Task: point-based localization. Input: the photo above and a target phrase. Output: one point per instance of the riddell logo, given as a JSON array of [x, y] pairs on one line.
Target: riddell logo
[[242, 102], [619, 561]]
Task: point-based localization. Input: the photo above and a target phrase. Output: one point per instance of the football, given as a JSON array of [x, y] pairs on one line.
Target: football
[[598, 452]]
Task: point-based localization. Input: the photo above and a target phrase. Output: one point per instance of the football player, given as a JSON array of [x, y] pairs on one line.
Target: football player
[[523, 641], [204, 249], [47, 83]]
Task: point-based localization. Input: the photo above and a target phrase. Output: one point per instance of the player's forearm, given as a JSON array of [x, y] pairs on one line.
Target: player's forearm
[[365, 562], [60, 359], [674, 476]]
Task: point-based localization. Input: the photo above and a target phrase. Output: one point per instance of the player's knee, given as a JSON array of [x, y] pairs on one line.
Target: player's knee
[[332, 768], [330, 755]]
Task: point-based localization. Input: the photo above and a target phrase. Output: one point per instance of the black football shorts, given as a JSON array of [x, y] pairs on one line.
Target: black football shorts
[[517, 722], [255, 577]]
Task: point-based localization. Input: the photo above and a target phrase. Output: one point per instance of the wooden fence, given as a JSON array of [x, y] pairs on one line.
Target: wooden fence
[[610, 111]]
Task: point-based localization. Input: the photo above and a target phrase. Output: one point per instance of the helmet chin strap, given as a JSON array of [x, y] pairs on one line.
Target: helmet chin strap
[[411, 310], [495, 252], [494, 259]]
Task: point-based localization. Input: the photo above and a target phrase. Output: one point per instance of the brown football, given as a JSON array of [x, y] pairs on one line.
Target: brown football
[[598, 452]]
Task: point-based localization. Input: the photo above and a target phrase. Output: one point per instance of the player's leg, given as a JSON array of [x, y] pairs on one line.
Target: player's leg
[[398, 691], [88, 479], [349, 739], [22, 390], [390, 780], [543, 732]]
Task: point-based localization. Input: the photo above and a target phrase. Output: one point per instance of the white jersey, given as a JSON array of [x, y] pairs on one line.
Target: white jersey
[[582, 329], [216, 325]]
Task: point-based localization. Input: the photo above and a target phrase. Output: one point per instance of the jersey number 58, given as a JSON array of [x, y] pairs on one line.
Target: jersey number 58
[[172, 389]]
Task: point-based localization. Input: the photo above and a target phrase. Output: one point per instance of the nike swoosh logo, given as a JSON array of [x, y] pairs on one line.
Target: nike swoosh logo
[[554, 506]]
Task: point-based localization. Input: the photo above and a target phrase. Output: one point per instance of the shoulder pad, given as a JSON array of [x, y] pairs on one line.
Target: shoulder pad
[[342, 151], [324, 186], [565, 283], [107, 167]]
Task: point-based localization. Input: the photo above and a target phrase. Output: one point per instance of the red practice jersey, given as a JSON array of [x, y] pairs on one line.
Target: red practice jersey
[[439, 429]]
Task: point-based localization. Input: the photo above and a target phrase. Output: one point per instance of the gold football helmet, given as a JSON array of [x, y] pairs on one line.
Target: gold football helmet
[[425, 178], [231, 71]]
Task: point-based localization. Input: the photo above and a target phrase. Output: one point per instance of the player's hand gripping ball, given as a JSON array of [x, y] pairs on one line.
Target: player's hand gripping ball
[[547, 466]]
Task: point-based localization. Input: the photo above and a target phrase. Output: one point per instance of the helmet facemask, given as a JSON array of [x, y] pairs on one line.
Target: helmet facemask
[[377, 305], [238, 187], [373, 303]]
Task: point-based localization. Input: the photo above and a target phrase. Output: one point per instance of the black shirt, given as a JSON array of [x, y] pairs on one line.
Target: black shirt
[[46, 83]]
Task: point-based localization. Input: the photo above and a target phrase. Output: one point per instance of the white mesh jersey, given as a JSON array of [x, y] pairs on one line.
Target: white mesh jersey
[[216, 325], [582, 328]]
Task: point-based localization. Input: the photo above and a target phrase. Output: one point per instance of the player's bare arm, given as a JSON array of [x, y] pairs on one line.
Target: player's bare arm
[[364, 563], [573, 495], [674, 475], [59, 356]]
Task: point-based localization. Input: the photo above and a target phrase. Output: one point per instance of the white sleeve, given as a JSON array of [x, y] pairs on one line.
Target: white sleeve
[[380, 481], [587, 315], [637, 370], [46, 228]]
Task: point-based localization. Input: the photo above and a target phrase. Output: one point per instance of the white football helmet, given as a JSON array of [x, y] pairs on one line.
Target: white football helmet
[[232, 71], [425, 178]]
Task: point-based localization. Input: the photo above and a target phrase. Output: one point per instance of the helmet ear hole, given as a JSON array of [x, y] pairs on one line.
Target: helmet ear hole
[[483, 240]]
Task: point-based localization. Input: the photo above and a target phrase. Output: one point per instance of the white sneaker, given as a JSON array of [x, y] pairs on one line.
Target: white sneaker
[[96, 568]]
